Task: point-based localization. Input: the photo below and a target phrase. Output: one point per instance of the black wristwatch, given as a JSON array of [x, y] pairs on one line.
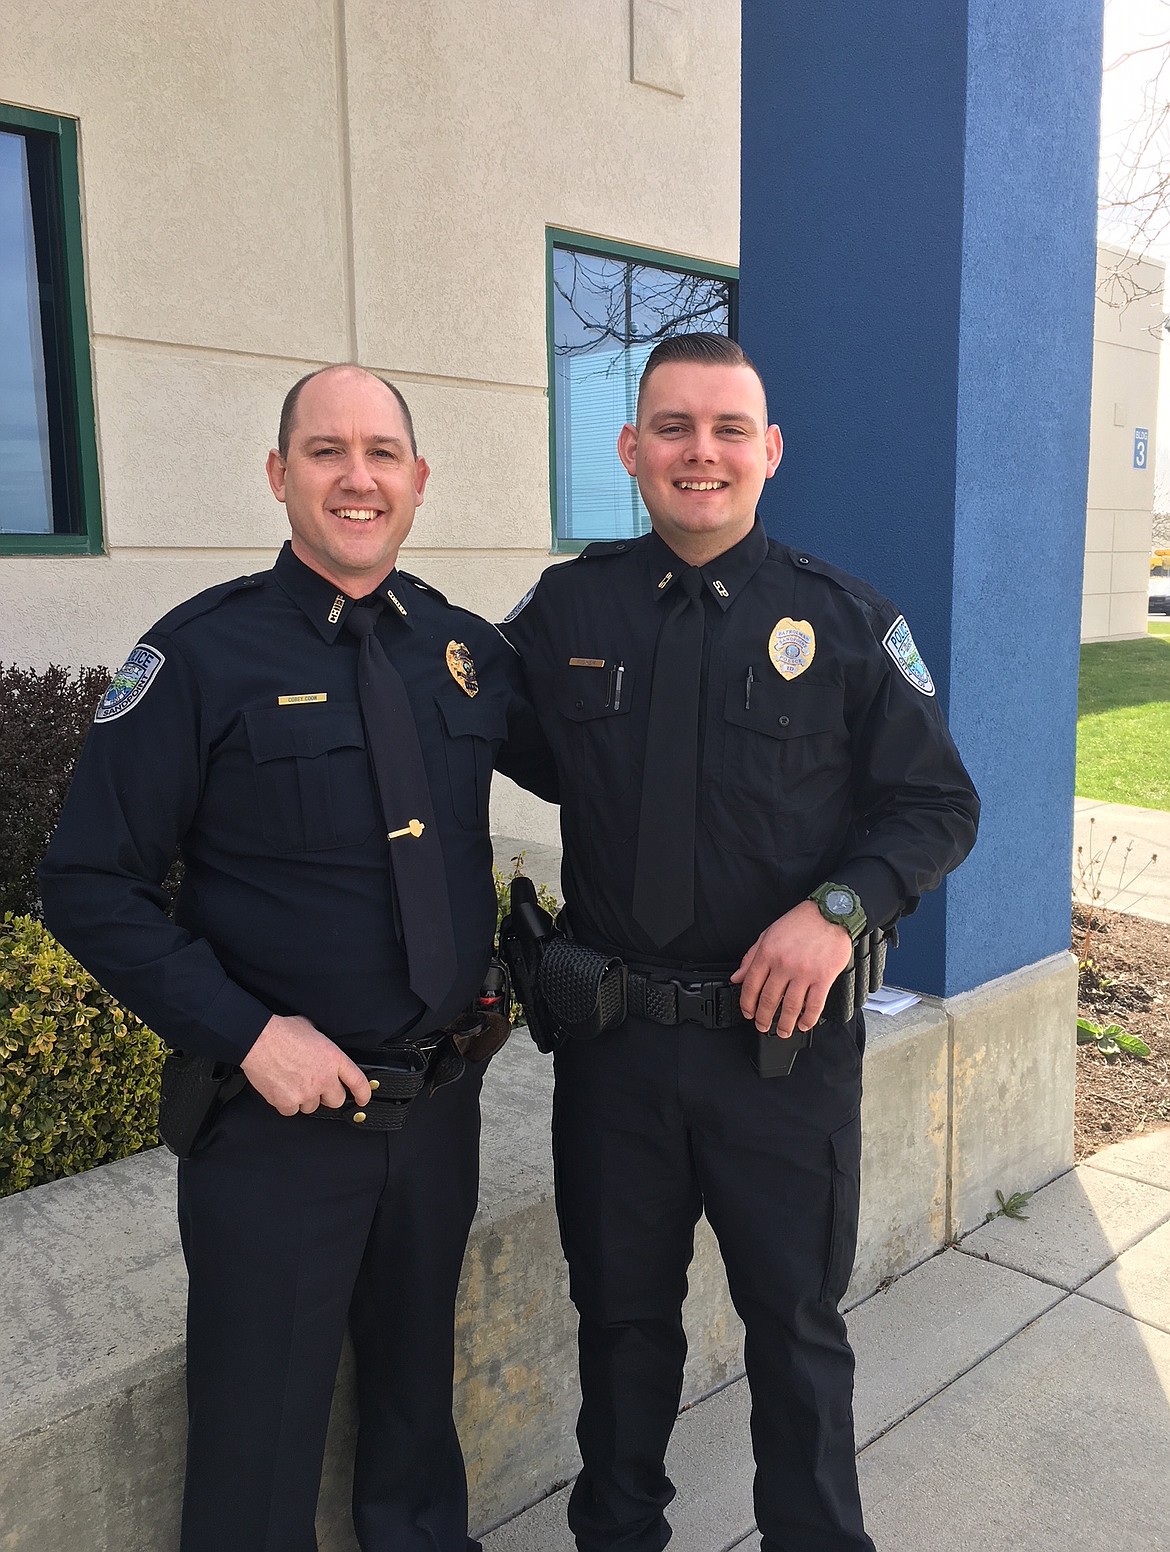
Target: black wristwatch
[[842, 905]]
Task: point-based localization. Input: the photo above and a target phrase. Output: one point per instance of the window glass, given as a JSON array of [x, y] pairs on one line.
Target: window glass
[[26, 493], [608, 313]]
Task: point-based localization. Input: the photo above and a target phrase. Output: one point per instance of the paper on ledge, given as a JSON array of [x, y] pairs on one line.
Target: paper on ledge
[[887, 999]]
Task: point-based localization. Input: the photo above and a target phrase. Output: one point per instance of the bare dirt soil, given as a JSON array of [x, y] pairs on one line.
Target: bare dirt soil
[[1125, 980]]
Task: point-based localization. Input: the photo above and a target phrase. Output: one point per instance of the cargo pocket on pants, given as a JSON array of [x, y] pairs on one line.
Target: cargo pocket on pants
[[845, 1153]]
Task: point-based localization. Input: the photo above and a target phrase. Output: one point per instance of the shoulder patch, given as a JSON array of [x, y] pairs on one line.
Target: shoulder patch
[[516, 608], [899, 643], [130, 683]]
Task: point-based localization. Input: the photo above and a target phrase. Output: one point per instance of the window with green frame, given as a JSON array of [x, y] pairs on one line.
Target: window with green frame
[[48, 456], [608, 306]]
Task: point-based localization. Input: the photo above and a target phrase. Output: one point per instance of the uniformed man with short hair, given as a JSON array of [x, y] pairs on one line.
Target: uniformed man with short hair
[[754, 775], [316, 742]]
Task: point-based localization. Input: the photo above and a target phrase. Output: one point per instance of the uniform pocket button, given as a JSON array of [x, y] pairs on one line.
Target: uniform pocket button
[[783, 721], [580, 705]]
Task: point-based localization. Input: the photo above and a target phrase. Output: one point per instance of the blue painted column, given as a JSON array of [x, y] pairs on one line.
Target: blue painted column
[[917, 269]]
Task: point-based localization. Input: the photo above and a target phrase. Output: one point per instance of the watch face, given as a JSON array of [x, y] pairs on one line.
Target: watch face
[[840, 902]]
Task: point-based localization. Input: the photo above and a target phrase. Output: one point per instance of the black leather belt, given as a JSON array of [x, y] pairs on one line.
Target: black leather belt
[[397, 1078]]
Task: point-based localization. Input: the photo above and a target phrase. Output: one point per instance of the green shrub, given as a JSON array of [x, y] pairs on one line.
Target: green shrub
[[78, 1074], [44, 717]]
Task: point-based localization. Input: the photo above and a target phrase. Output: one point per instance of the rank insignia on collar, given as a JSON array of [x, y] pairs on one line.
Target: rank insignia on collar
[[899, 643], [792, 647], [338, 606], [461, 668], [398, 604]]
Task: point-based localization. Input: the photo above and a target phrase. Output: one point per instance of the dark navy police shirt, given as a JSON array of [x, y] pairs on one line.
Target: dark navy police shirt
[[234, 737], [842, 771]]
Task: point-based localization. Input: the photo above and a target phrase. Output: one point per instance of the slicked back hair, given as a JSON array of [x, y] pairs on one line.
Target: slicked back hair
[[289, 408], [702, 350]]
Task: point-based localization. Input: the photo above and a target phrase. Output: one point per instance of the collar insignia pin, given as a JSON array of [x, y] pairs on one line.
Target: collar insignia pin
[[720, 589], [792, 647], [338, 606], [461, 668], [399, 606], [665, 580]]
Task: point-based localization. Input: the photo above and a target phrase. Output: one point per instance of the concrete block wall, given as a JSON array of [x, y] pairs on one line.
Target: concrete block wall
[[961, 1098]]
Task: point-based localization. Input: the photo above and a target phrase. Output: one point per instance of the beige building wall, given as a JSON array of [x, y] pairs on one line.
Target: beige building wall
[[1126, 345], [267, 188]]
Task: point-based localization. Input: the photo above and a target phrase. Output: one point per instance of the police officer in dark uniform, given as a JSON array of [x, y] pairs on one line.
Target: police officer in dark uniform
[[754, 774], [316, 741]]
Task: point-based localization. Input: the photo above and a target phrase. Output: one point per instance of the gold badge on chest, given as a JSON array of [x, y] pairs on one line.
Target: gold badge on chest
[[461, 668], [792, 647]]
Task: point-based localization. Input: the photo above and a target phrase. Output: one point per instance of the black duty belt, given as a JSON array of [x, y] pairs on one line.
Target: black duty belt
[[397, 1078], [714, 1004]]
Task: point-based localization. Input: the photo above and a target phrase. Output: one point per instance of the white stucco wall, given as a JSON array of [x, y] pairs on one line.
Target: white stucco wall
[[1126, 345]]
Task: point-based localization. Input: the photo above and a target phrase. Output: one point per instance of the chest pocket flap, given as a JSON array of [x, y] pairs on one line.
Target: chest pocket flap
[[585, 693], [473, 725], [473, 717], [303, 732], [782, 710], [312, 776]]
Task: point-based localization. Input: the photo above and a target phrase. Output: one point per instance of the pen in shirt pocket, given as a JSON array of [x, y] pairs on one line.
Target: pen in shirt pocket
[[615, 702]]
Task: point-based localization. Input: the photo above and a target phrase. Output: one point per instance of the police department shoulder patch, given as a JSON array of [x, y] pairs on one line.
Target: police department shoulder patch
[[516, 608], [130, 683], [899, 643]]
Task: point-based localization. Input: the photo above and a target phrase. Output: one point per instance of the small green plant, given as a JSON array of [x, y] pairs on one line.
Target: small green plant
[[79, 1075], [1110, 1040], [1010, 1206]]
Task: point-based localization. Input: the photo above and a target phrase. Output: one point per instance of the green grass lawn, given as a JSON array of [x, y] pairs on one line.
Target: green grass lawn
[[1123, 720]]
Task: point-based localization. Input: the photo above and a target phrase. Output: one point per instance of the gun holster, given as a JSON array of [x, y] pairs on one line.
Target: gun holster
[[583, 989], [192, 1090], [525, 933], [566, 988]]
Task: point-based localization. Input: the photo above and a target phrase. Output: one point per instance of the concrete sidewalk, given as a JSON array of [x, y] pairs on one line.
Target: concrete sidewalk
[[1143, 833], [1013, 1393]]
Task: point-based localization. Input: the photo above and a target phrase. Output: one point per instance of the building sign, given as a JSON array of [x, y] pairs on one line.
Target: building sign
[[1141, 447]]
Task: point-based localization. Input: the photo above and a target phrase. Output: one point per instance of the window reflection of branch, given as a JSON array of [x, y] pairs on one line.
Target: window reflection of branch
[[605, 303]]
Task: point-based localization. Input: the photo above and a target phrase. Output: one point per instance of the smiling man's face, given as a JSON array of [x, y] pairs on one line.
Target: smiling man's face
[[350, 482], [701, 452]]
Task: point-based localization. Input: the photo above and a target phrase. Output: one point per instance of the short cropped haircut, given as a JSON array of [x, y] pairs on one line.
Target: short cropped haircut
[[702, 350], [289, 408]]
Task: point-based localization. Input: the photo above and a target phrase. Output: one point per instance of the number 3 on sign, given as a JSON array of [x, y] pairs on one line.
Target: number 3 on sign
[[1141, 447]]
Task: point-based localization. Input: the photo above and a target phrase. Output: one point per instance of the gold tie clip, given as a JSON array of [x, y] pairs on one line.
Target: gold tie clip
[[415, 828]]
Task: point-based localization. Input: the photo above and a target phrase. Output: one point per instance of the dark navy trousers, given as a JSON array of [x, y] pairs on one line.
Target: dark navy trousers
[[293, 1228], [652, 1126]]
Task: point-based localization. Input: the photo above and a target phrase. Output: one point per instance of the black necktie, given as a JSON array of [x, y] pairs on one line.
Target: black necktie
[[664, 875], [416, 855]]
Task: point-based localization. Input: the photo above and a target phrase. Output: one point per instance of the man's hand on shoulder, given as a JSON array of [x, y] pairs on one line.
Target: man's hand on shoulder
[[295, 1067], [791, 966]]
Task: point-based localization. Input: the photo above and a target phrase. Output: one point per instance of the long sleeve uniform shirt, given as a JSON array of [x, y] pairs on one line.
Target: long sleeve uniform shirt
[[234, 737], [844, 771]]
